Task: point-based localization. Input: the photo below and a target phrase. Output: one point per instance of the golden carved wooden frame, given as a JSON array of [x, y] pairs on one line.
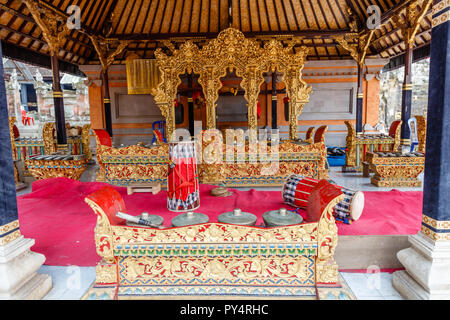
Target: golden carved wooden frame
[[232, 51], [113, 244]]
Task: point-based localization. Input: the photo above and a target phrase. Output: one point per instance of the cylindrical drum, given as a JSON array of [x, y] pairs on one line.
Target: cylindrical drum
[[182, 182], [296, 191]]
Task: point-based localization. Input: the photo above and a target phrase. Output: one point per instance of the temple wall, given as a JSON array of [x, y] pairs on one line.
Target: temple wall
[[332, 102], [391, 91]]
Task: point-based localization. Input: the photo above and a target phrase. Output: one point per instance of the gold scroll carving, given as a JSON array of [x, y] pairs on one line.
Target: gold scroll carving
[[231, 51]]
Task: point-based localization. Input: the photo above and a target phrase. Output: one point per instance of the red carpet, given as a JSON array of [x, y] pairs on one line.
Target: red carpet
[[56, 216]]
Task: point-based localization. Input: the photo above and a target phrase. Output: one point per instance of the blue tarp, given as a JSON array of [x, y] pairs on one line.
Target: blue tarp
[[336, 161]]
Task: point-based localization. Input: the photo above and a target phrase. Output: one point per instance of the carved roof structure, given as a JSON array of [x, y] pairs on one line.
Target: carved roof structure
[[148, 24]]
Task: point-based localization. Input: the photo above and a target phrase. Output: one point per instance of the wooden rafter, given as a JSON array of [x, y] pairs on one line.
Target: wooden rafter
[[318, 22], [107, 49]]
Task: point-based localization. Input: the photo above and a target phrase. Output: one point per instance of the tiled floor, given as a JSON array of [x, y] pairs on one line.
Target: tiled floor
[[72, 282]]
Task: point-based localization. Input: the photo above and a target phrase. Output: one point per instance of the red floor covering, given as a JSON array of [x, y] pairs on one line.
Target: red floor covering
[[62, 224]]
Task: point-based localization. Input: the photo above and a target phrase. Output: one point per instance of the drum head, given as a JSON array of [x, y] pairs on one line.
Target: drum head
[[357, 205]]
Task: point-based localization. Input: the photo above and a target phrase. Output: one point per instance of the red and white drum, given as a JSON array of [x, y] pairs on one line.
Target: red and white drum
[[296, 191], [182, 183]]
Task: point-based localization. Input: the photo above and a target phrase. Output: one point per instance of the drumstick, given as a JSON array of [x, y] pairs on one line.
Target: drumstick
[[136, 220]]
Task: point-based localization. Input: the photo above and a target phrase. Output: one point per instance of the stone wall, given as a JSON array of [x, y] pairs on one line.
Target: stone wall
[[391, 92]]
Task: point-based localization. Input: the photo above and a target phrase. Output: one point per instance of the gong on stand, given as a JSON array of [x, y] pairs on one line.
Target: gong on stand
[[183, 193]]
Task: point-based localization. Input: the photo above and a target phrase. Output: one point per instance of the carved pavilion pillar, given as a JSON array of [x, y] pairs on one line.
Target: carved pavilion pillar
[[427, 262], [190, 105], [358, 46], [251, 84], [409, 28], [54, 29], [107, 102], [18, 265], [274, 101], [58, 101], [298, 93], [211, 86], [359, 100], [107, 50]]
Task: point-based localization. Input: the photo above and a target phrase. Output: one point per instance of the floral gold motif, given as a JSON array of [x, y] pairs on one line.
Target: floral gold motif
[[232, 51], [395, 171]]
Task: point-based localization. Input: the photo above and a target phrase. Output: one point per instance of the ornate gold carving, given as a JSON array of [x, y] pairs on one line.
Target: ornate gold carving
[[12, 121], [107, 49], [410, 26], [421, 133], [131, 163], [439, 14], [5, 239], [356, 45], [395, 171], [231, 51], [54, 27], [10, 237], [288, 158], [106, 273], [326, 267], [216, 233], [201, 255], [9, 226], [103, 233], [397, 138], [350, 157], [229, 268], [436, 236], [47, 136], [85, 141], [46, 169], [441, 225]]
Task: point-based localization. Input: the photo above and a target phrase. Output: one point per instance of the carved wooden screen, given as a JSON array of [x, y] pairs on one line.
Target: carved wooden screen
[[232, 51]]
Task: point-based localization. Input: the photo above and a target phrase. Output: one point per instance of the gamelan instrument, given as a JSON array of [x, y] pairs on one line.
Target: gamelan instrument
[[145, 219], [238, 217], [221, 192], [296, 191], [282, 217], [183, 194]]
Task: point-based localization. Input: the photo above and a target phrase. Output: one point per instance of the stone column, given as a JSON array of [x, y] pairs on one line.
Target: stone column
[[18, 265], [427, 262]]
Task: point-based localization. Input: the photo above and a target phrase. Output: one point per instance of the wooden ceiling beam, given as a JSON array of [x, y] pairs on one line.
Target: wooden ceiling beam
[[395, 45], [386, 16], [58, 11], [210, 35], [30, 19], [310, 45]]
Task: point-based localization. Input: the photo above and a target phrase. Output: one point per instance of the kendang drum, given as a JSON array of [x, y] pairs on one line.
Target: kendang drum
[[296, 191], [183, 193]]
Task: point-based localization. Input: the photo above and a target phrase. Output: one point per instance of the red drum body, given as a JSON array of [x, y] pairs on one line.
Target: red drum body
[[296, 191], [182, 182]]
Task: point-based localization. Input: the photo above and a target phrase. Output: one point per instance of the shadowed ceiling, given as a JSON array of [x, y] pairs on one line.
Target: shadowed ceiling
[[148, 22]]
